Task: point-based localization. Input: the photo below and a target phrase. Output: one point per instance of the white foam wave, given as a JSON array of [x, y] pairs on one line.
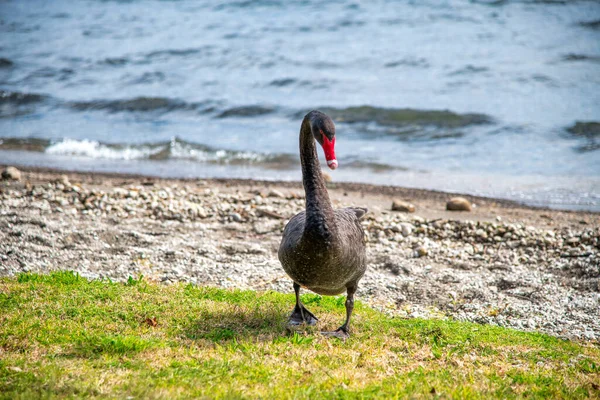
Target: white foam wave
[[185, 151], [94, 149], [174, 150]]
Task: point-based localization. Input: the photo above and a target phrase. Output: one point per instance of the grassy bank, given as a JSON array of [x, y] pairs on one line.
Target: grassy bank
[[64, 336]]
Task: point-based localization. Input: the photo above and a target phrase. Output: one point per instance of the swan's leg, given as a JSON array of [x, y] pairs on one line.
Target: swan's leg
[[301, 315], [343, 331], [349, 309]]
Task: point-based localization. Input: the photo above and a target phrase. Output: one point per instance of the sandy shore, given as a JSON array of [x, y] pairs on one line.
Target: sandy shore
[[501, 263]]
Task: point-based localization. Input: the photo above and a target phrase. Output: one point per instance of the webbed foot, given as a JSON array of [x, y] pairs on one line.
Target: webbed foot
[[340, 333], [301, 315]]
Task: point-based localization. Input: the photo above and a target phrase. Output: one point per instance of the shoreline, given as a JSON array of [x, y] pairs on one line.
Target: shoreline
[[389, 190], [502, 263]]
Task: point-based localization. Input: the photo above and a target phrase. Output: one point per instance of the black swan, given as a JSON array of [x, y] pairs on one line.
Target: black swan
[[322, 249]]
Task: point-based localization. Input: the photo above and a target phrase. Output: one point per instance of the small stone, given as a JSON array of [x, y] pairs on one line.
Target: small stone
[[11, 174], [421, 251], [276, 193], [458, 204], [573, 241], [201, 212], [481, 233], [236, 217], [406, 228], [255, 249], [64, 179], [585, 237], [398, 205]]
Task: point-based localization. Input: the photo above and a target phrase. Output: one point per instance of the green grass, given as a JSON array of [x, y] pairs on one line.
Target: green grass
[[62, 336]]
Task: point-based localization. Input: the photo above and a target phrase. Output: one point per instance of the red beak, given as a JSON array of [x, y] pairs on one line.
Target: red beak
[[329, 149]]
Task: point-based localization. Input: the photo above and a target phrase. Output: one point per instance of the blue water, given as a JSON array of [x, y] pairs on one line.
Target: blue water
[[194, 88]]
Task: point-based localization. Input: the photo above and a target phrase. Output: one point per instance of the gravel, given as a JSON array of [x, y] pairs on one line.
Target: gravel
[[499, 273]]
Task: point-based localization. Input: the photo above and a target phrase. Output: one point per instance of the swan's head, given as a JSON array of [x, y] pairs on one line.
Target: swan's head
[[323, 130]]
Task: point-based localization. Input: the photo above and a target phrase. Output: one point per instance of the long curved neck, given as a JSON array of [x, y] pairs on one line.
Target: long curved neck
[[320, 222]]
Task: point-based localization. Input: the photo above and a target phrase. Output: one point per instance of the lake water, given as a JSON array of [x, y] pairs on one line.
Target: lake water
[[497, 98]]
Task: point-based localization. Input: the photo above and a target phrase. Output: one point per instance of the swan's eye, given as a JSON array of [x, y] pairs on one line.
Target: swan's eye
[[323, 134]]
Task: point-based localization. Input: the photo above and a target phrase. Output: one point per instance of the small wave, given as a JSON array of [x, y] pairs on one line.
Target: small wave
[[469, 70], [373, 166], [15, 104], [60, 74], [147, 78], [406, 117], [5, 62], [595, 24], [491, 2], [18, 98], [312, 83], [165, 104], [282, 82], [26, 144], [177, 52], [589, 146], [345, 23], [246, 111], [589, 131], [158, 55], [245, 4], [408, 62], [138, 104], [115, 61], [580, 57]]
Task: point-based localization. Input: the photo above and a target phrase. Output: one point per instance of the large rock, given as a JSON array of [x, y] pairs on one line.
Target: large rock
[[11, 174], [458, 204], [403, 206]]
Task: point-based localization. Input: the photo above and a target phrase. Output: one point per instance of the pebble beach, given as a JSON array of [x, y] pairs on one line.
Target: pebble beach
[[500, 263]]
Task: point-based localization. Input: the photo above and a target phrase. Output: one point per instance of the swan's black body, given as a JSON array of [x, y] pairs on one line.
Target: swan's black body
[[322, 249]]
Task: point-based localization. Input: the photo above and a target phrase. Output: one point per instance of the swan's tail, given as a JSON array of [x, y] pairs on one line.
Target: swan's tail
[[359, 211]]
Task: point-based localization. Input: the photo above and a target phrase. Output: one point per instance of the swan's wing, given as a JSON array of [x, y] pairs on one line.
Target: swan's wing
[[359, 211], [352, 241], [348, 222], [291, 235]]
